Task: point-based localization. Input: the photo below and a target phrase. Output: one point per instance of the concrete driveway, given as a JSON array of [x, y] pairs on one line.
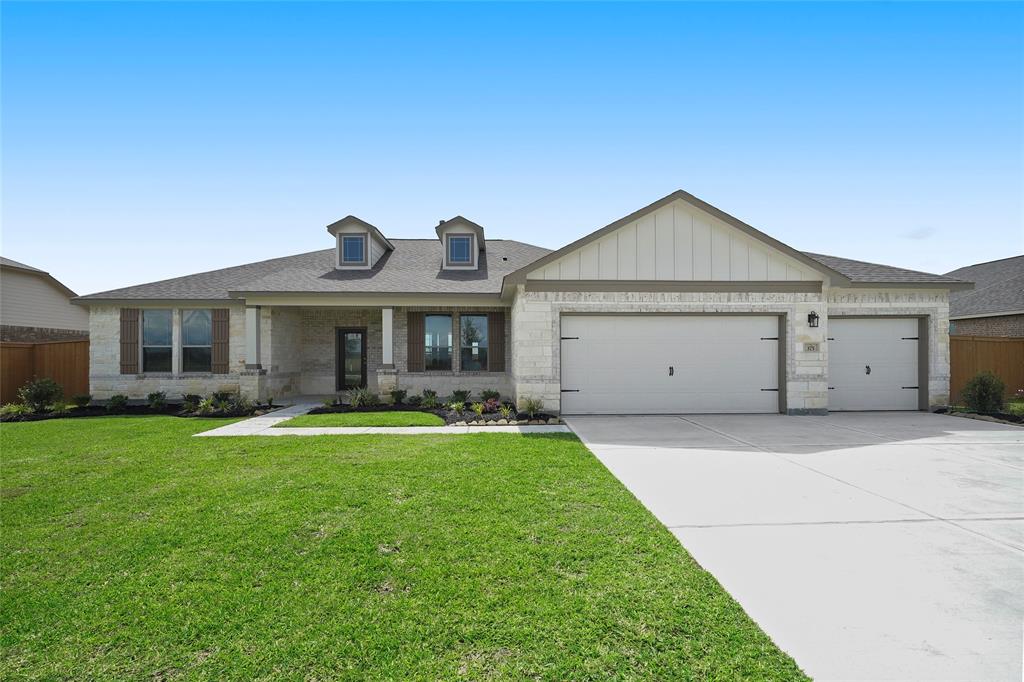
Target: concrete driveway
[[867, 545]]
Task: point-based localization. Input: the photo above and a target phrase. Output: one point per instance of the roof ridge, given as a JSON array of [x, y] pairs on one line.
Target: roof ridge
[[987, 262]]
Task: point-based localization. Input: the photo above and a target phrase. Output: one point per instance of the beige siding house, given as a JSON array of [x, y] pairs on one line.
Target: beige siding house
[[678, 307], [34, 306]]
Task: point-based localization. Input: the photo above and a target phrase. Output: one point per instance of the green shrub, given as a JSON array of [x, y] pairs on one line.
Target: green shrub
[[530, 406], [478, 408], [223, 396], [398, 395], [363, 397], [117, 403], [983, 393], [456, 406], [206, 406], [270, 401], [414, 400], [489, 395], [222, 404], [330, 401], [190, 402], [240, 405], [430, 400], [15, 410], [81, 400], [157, 400], [505, 411], [40, 393], [459, 396]]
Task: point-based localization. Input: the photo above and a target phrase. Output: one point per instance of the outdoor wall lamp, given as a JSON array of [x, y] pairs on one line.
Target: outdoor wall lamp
[[812, 319]]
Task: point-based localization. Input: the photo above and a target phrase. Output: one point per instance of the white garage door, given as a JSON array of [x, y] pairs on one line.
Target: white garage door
[[872, 364], [666, 364]]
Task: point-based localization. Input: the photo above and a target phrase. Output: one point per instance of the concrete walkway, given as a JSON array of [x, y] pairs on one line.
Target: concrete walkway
[[869, 546], [264, 426]]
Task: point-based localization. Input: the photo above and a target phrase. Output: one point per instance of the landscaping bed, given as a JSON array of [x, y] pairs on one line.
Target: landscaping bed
[[447, 415]]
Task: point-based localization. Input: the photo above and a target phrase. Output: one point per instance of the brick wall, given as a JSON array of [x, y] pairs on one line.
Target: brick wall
[[14, 333], [1001, 325]]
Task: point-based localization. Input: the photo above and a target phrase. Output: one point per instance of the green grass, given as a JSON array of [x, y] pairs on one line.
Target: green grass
[[365, 419], [130, 550]]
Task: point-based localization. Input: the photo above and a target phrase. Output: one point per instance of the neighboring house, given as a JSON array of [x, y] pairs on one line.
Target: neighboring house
[[996, 305], [36, 307], [678, 307]]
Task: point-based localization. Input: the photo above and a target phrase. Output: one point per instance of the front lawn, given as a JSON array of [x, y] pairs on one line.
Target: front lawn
[[131, 550], [396, 418]]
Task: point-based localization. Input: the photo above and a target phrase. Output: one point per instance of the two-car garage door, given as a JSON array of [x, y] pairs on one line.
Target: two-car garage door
[[665, 364]]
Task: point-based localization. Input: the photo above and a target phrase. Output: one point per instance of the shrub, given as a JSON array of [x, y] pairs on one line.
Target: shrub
[[491, 406], [414, 400], [221, 404], [430, 398], [984, 393], [117, 403], [206, 406], [330, 402], [398, 395], [240, 405], [223, 396], [459, 396], [15, 410], [190, 402], [489, 395], [478, 408], [363, 397], [456, 406], [505, 411], [39, 393], [270, 401], [530, 405], [157, 400], [81, 400]]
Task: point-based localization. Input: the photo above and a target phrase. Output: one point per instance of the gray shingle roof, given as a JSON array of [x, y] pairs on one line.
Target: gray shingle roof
[[998, 288], [8, 263], [413, 267], [863, 272]]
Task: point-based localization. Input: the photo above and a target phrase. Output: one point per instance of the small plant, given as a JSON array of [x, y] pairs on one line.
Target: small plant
[[157, 400], [478, 408], [270, 401], [414, 400], [206, 406], [221, 405], [456, 406], [489, 395], [491, 406], [39, 393], [398, 395], [240, 405], [984, 393], [190, 402], [429, 399], [81, 400], [223, 396], [330, 402], [505, 411], [530, 406], [363, 397], [15, 410], [459, 396], [117, 403]]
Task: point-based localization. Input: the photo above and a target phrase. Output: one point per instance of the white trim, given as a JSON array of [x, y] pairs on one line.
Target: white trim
[[387, 339], [355, 300], [980, 315]]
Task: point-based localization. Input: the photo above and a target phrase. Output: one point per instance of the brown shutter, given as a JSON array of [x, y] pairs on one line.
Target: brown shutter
[[130, 341], [415, 331], [496, 341], [221, 331]]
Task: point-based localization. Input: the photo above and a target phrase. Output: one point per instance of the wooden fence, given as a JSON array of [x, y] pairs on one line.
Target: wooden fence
[[66, 362], [969, 355]]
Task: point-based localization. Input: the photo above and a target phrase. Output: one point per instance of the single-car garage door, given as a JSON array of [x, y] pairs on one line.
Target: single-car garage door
[[873, 364], [665, 364]]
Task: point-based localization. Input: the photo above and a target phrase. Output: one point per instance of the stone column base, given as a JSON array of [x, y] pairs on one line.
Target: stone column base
[[387, 381]]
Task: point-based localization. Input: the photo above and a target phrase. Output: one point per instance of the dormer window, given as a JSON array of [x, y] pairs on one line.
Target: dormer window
[[353, 249], [460, 250]]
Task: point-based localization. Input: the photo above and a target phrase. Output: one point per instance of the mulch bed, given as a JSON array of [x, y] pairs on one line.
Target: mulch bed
[[449, 416], [1001, 417], [140, 410]]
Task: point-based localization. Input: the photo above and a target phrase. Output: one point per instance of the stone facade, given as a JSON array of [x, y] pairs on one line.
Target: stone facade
[[997, 325], [17, 334], [106, 380]]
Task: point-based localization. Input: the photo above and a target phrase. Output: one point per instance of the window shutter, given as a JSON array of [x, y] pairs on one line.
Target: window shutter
[[415, 332], [496, 342], [219, 350], [130, 341]]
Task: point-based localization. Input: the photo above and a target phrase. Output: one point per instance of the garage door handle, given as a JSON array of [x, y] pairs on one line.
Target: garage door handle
[[867, 369], [671, 371]]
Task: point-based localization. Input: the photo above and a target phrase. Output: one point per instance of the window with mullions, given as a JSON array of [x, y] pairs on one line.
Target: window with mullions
[[460, 250], [196, 340], [353, 249], [156, 340]]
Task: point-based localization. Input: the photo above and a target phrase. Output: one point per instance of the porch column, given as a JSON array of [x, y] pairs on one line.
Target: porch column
[[252, 338], [387, 340]]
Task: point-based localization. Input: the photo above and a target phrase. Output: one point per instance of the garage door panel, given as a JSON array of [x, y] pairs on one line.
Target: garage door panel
[[873, 364], [619, 364]]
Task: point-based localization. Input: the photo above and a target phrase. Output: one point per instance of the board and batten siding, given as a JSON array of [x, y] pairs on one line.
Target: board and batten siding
[[681, 243]]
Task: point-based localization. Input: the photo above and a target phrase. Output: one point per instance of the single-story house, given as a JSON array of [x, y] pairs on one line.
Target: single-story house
[[35, 306], [996, 305], [678, 307]]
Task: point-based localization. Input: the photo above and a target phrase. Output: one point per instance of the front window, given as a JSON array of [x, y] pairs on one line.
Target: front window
[[438, 349], [156, 340], [474, 343], [196, 340], [353, 249], [460, 249]]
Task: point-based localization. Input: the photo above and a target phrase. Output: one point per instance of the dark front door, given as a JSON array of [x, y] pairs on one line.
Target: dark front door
[[350, 363]]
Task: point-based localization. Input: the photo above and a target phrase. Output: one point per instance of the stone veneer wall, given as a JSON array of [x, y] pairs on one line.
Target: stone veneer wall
[[105, 378], [997, 325], [536, 346]]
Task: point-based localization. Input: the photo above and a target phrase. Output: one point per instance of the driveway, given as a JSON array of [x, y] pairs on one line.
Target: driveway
[[867, 545]]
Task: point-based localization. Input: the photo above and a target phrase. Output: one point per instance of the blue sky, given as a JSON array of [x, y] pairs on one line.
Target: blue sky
[[150, 140]]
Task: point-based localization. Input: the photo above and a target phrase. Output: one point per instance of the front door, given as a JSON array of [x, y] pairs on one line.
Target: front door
[[350, 360]]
